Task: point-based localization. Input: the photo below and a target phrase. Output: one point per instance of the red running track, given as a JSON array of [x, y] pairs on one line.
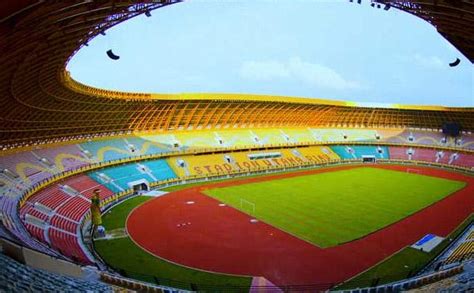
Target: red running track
[[222, 239]]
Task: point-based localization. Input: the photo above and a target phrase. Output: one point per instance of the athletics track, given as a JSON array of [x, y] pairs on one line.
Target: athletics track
[[222, 239]]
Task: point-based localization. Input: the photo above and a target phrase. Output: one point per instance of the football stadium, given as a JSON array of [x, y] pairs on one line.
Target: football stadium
[[109, 190]]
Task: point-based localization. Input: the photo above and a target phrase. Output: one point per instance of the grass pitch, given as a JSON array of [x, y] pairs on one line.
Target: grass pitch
[[331, 208]]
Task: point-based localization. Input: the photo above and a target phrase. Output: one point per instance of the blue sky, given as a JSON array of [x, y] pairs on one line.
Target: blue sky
[[323, 49]]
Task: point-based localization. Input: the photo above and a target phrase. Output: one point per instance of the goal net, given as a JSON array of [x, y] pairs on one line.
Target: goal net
[[247, 206]]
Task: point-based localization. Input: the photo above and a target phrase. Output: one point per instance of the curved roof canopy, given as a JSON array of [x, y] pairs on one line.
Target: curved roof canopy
[[38, 99]]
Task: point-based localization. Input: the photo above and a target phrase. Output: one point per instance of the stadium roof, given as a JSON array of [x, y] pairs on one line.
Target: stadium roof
[[38, 99], [453, 19]]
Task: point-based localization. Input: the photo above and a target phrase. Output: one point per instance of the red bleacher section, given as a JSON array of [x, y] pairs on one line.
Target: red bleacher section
[[52, 197], [86, 186], [36, 232], [68, 245], [430, 155], [63, 214], [63, 223], [74, 208]]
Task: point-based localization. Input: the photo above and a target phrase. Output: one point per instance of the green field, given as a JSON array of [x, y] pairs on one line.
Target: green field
[[125, 256], [331, 208]]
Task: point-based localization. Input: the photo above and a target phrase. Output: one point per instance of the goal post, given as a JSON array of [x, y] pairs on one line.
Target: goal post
[[247, 206]]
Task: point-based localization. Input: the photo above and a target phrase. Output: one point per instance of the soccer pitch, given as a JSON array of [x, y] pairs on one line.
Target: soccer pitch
[[331, 208]]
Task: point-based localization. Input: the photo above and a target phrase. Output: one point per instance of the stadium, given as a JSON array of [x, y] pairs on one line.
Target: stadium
[[104, 190]]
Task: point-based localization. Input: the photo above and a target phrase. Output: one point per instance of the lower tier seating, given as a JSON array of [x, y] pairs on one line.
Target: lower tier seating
[[358, 151], [16, 277], [465, 251], [199, 165], [118, 178], [432, 155], [53, 214]]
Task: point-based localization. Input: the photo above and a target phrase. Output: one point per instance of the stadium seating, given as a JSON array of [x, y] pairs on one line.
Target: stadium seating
[[33, 166], [470, 236], [53, 214], [159, 169], [357, 151], [464, 251], [167, 140], [236, 138], [197, 139], [140, 146], [84, 185], [432, 138], [107, 150], [185, 166], [465, 141], [65, 158], [16, 277], [68, 245], [299, 135], [26, 166], [270, 136], [431, 155], [198, 165], [317, 154], [117, 178], [11, 223], [420, 137], [340, 135]]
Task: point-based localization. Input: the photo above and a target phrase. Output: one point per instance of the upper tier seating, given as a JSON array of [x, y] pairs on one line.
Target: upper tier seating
[[65, 158], [240, 138], [330, 135], [465, 141], [298, 135], [16, 277], [433, 138], [270, 136], [197, 139], [141, 146], [420, 137], [117, 178], [25, 166], [357, 152], [107, 149]]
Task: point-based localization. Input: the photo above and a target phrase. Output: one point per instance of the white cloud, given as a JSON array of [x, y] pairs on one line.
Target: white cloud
[[265, 70], [431, 62], [312, 74]]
